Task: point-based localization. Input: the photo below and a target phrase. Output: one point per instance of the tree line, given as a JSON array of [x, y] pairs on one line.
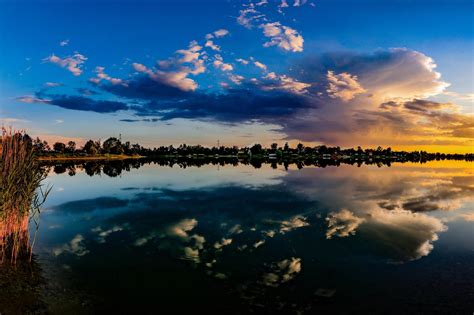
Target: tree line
[[114, 146]]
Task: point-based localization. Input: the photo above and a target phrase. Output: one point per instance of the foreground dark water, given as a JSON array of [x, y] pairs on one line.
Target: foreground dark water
[[234, 239]]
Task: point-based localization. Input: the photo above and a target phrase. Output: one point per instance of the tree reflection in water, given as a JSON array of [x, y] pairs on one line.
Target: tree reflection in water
[[115, 168]]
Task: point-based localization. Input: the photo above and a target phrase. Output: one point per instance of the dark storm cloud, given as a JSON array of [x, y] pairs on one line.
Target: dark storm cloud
[[231, 106], [146, 97], [87, 104], [143, 88], [88, 92], [91, 204], [139, 120], [75, 102]]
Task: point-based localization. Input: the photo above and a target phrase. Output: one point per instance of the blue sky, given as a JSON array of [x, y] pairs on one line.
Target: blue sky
[[290, 91]]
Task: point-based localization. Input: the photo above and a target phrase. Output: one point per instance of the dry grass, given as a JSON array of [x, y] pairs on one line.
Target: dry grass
[[20, 195]]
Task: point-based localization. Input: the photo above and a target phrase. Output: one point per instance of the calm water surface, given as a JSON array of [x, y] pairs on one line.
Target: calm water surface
[[235, 239]]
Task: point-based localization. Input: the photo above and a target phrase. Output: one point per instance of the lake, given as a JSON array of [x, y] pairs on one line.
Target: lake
[[238, 239]]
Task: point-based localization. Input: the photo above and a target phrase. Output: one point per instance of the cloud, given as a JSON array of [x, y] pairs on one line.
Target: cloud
[[64, 42], [409, 236], [299, 3], [220, 64], [145, 88], [378, 98], [424, 106], [460, 96], [87, 104], [74, 247], [86, 205], [217, 34], [175, 71], [283, 5], [247, 16], [88, 92], [468, 217], [260, 65], [32, 99], [342, 223], [236, 229], [52, 84], [103, 234], [236, 79], [234, 105], [242, 61], [343, 86], [76, 103], [209, 43], [393, 110], [71, 63], [393, 74], [282, 36], [272, 81], [221, 33], [405, 235], [223, 242], [182, 228], [293, 223], [191, 254], [282, 272], [101, 75], [177, 78]]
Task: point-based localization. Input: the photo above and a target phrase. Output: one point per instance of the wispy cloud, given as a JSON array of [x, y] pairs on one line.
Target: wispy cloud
[[71, 63]]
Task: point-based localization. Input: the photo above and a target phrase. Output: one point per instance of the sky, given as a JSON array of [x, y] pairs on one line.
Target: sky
[[337, 72]]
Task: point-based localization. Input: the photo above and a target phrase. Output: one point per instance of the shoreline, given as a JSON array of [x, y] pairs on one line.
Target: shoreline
[[265, 158]]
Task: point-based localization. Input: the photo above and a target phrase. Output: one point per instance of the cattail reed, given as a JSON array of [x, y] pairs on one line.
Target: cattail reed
[[20, 194]]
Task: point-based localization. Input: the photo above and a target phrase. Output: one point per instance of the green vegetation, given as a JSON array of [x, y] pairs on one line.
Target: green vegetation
[[20, 194]]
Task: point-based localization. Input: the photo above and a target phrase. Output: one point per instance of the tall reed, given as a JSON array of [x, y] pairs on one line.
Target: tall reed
[[20, 195]]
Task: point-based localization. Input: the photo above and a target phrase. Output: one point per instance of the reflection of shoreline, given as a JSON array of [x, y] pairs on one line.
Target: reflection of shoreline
[[89, 158], [114, 167], [270, 158]]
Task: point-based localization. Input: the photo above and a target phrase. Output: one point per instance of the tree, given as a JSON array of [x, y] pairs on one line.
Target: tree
[[300, 147], [59, 147], [91, 147], [112, 146], [71, 147], [256, 149], [40, 146], [286, 148], [274, 147]]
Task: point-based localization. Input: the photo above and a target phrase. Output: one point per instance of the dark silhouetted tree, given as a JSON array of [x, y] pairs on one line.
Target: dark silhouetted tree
[[59, 147]]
